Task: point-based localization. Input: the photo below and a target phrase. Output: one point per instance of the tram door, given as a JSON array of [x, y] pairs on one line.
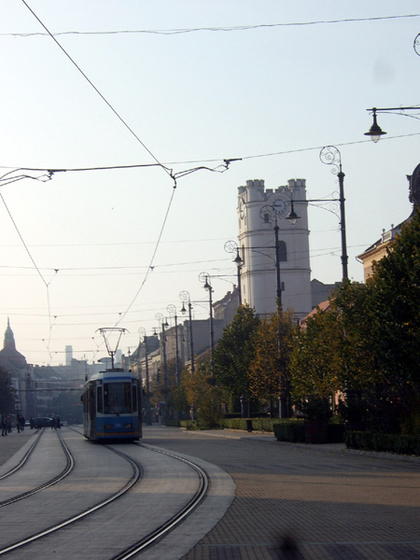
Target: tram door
[[92, 411]]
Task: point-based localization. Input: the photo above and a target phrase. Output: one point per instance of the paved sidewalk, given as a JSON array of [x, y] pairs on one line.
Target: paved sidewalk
[[304, 502], [12, 443]]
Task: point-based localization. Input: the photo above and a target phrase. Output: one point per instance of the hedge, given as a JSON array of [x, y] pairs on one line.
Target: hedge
[[290, 430], [391, 443], [251, 424]]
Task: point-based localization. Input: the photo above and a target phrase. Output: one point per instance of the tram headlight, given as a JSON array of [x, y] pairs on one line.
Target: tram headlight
[[129, 426]]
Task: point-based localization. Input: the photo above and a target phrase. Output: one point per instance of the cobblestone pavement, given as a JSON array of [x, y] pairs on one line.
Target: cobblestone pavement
[[305, 502]]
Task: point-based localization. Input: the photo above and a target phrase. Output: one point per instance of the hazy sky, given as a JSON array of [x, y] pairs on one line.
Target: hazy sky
[[268, 81]]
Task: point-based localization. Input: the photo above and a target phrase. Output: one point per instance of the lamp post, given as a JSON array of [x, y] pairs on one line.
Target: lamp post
[[143, 338], [330, 155], [205, 277], [159, 318], [269, 214], [375, 131], [231, 247], [184, 296], [416, 44], [172, 310]]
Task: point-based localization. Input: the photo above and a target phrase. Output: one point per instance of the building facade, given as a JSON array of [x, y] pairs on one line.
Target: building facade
[[20, 372]]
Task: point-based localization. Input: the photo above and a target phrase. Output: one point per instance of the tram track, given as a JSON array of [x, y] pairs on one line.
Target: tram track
[[65, 472], [52, 529], [176, 519], [24, 459], [147, 540]]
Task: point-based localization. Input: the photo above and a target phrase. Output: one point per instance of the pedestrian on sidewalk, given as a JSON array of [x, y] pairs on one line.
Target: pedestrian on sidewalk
[[3, 426]]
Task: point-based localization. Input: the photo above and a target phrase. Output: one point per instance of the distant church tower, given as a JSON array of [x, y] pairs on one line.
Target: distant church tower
[[9, 339], [258, 211]]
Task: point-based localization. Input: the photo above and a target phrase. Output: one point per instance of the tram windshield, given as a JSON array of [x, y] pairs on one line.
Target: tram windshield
[[117, 398]]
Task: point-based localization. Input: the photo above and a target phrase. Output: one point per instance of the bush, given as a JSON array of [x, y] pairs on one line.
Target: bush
[[290, 430], [235, 423], [264, 424], [189, 424], [390, 443], [257, 424], [335, 432], [172, 423]]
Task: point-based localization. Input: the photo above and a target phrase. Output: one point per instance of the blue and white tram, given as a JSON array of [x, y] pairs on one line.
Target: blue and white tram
[[112, 406]]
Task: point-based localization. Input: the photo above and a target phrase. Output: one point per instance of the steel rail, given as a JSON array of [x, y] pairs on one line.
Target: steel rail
[[24, 458], [154, 535], [176, 519], [65, 472], [136, 475]]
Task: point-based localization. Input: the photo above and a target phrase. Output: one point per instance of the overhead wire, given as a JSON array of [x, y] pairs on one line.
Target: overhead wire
[[221, 168], [168, 171], [104, 99], [46, 284], [120, 118], [233, 28]]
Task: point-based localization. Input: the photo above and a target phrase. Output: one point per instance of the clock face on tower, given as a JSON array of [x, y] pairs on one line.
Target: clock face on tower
[[279, 206]]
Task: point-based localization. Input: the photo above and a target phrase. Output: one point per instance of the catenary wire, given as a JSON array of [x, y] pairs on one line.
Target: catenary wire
[[119, 117], [210, 160], [236, 28], [167, 171]]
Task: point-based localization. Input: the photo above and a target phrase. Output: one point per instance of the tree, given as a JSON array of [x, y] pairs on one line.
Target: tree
[[7, 393], [202, 396], [316, 363], [269, 374], [235, 351], [396, 310], [396, 304]]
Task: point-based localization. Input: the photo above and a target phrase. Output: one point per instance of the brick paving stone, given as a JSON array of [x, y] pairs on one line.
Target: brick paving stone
[[335, 504]]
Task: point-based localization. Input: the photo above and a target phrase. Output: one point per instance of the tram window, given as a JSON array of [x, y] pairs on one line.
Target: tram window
[[99, 399], [117, 398], [134, 398]]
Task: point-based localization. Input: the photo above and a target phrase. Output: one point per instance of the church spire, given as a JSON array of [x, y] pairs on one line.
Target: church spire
[[9, 339]]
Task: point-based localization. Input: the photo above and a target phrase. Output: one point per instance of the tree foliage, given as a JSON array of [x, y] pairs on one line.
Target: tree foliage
[[202, 396], [269, 374], [396, 304], [235, 351], [316, 365], [7, 394], [365, 348]]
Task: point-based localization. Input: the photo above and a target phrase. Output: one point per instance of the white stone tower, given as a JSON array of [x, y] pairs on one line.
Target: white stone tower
[[259, 211]]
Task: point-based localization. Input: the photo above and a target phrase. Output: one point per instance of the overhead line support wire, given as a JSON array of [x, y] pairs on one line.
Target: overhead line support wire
[[169, 172], [250, 27]]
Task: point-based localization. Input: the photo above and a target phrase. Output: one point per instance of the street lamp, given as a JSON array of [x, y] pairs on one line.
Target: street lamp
[[268, 214], [330, 155], [184, 296], [416, 44], [172, 310], [159, 318], [205, 277], [375, 131], [143, 338], [231, 247]]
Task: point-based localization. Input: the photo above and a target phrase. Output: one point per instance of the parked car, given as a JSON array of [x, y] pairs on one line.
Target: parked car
[[43, 422]]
